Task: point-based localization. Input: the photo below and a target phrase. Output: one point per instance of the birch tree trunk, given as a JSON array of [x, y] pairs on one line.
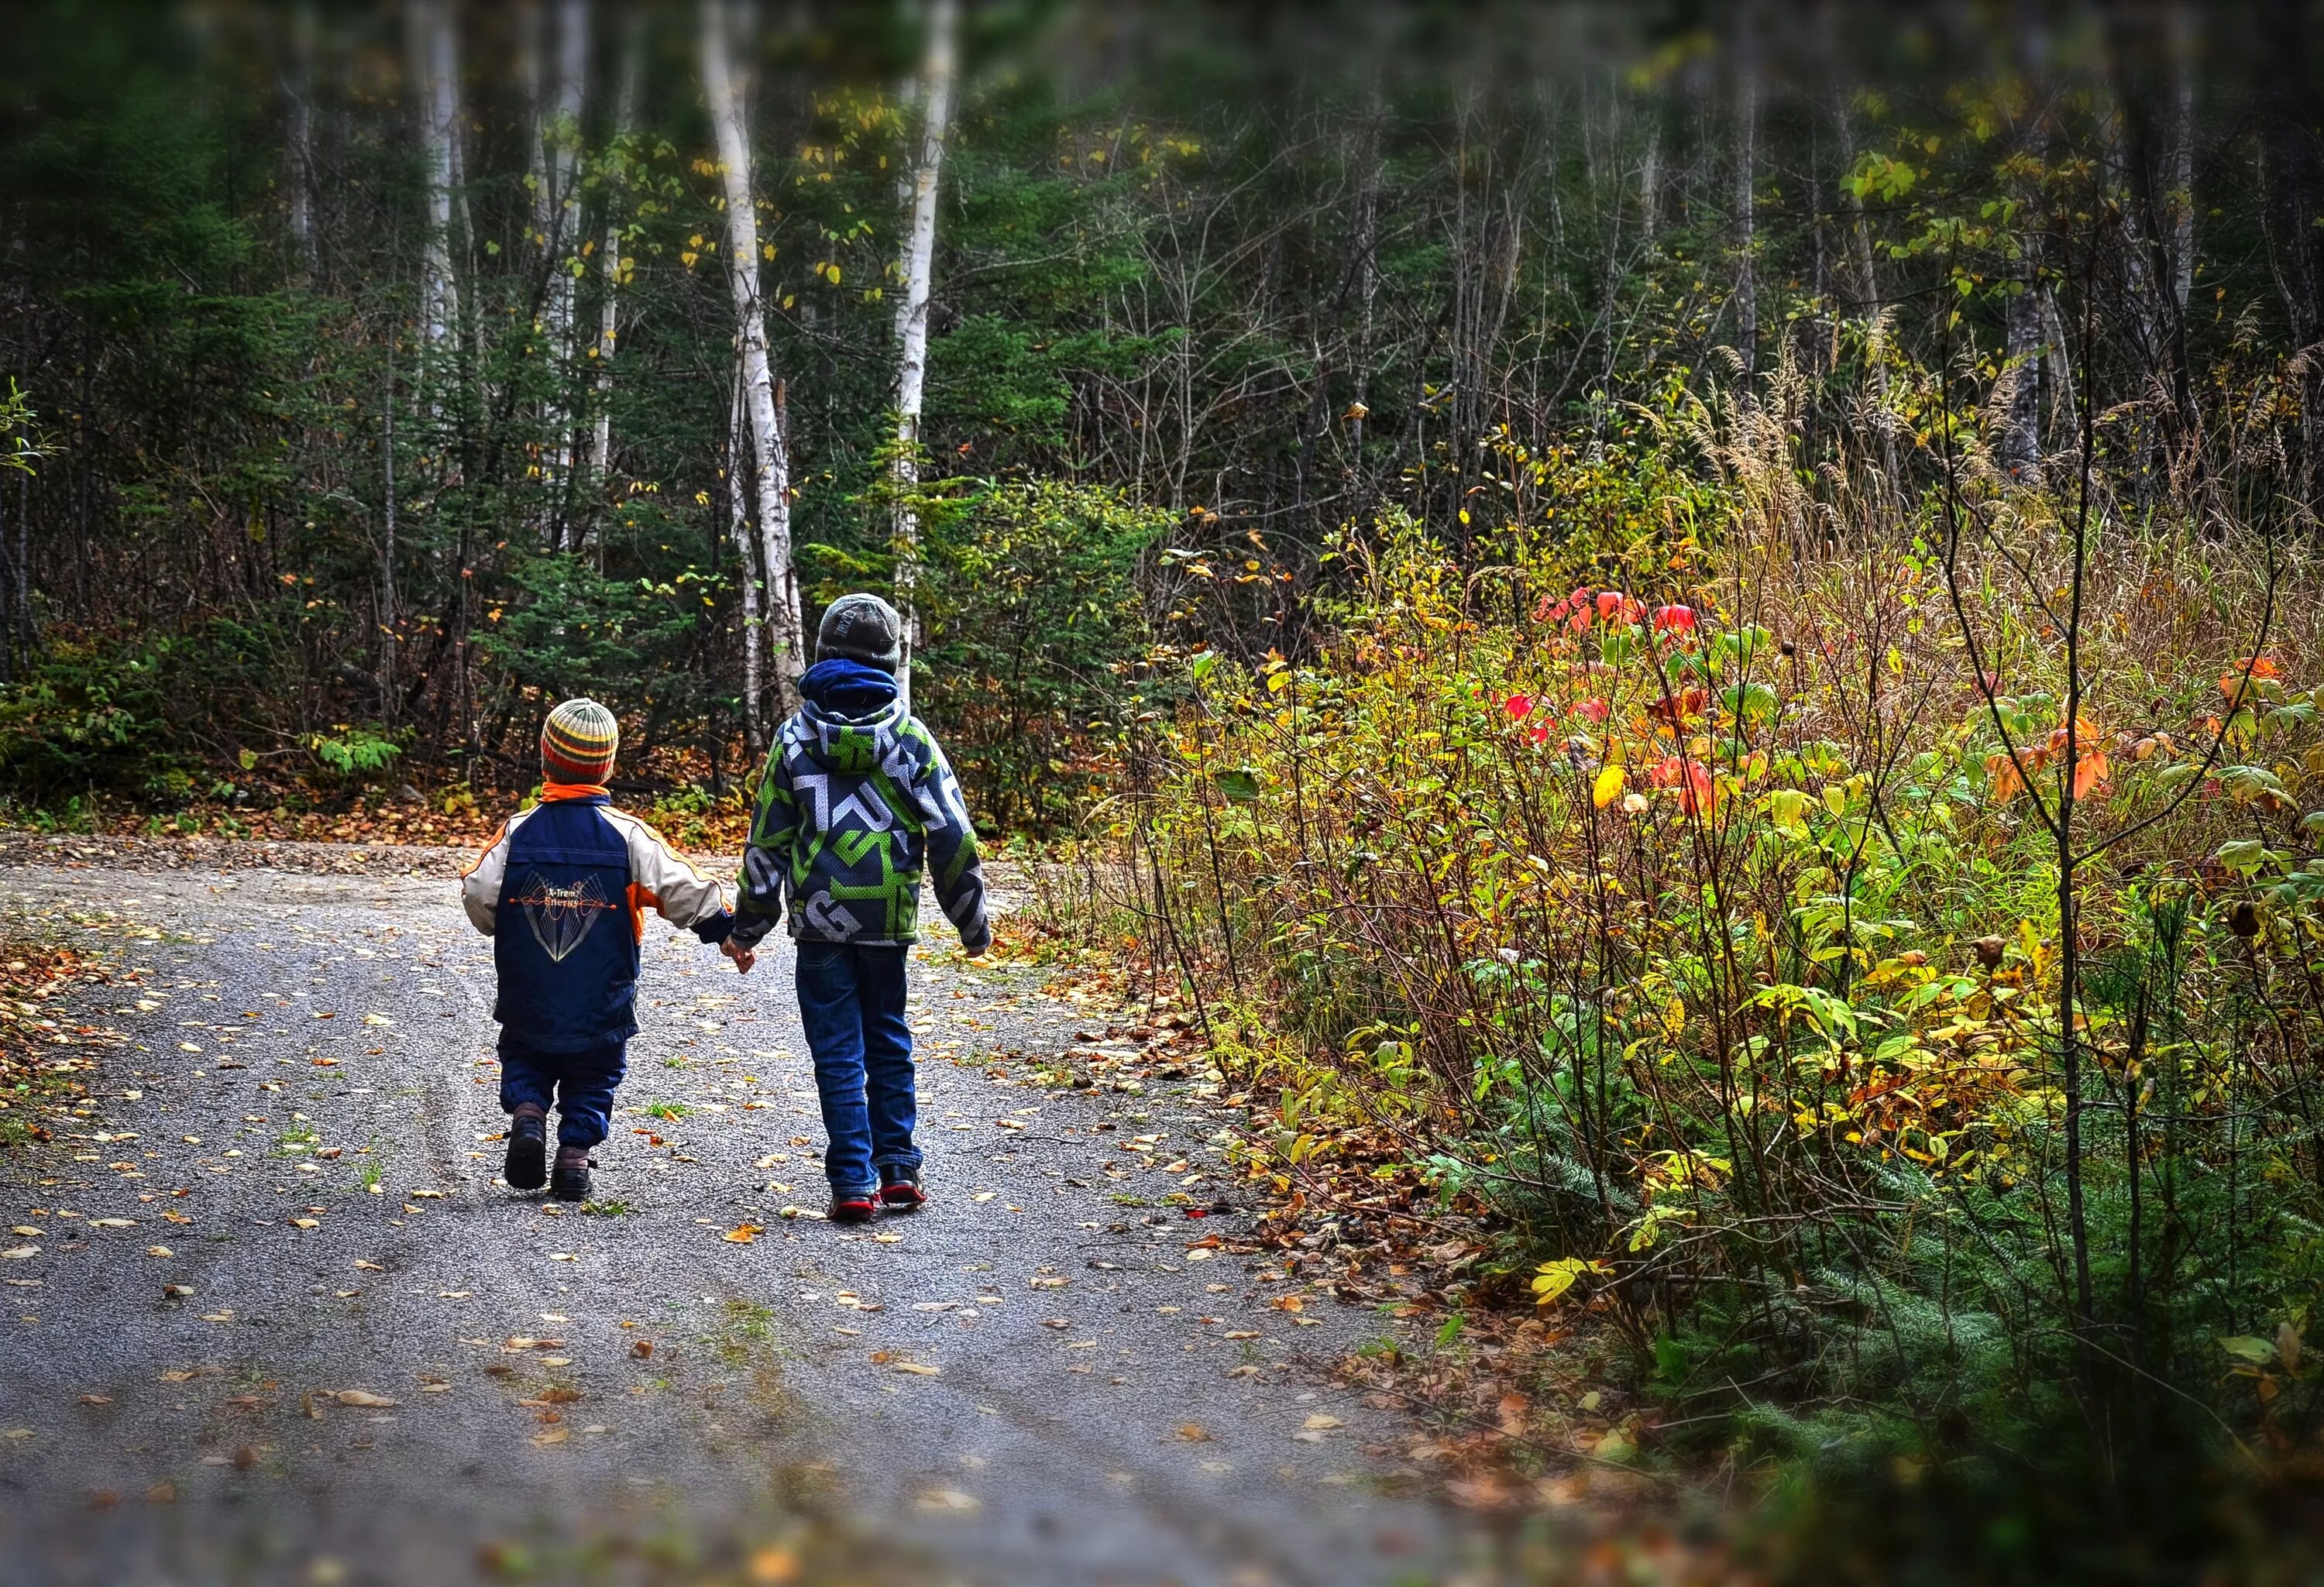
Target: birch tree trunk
[[600, 463], [300, 155], [1747, 128], [2182, 154], [434, 73], [738, 523], [937, 76], [729, 120], [556, 212]]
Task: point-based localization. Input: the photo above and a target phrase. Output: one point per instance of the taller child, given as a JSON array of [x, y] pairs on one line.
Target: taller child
[[857, 798], [561, 890]]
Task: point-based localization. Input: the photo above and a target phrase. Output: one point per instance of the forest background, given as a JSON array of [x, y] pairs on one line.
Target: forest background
[[1692, 629]]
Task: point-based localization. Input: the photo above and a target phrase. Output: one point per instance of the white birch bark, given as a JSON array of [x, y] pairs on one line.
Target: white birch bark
[[937, 75], [730, 122], [300, 156], [557, 216], [1746, 129], [738, 524], [600, 462], [434, 74], [2182, 154]]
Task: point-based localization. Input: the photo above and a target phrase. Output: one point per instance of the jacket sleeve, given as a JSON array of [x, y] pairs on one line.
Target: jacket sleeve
[[480, 883], [954, 862], [659, 876], [767, 860]]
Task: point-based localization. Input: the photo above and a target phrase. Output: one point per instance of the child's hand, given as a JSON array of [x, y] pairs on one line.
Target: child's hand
[[743, 958]]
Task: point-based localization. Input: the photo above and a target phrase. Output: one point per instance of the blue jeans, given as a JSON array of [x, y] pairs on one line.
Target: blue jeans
[[852, 1002], [581, 1084]]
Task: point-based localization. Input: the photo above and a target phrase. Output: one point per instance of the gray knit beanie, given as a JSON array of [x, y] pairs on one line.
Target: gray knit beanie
[[861, 628]]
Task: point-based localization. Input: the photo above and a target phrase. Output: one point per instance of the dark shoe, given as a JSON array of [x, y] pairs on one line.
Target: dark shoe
[[527, 1166], [571, 1180], [855, 1206], [903, 1194]]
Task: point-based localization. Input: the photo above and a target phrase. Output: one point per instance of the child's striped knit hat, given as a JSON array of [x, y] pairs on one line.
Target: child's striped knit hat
[[578, 742]]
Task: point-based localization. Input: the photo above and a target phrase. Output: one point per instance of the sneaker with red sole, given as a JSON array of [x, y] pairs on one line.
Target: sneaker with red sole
[[857, 1206], [903, 1193]]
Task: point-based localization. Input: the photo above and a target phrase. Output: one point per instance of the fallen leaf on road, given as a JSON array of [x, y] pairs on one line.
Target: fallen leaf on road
[[159, 1250], [1056, 1323], [369, 1267], [28, 1233], [178, 1291], [948, 1500], [743, 1235], [1320, 1422], [96, 1400], [163, 1492], [918, 1369], [304, 1224], [362, 1397], [1240, 1333], [643, 1350], [1192, 1434], [17, 1253], [177, 1375], [557, 1435], [112, 1223]]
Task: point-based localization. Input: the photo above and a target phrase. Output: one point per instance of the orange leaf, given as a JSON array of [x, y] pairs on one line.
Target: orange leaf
[[2090, 773], [2001, 776]]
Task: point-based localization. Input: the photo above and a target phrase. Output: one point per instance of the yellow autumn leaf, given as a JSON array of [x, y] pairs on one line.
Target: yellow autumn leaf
[[1608, 785]]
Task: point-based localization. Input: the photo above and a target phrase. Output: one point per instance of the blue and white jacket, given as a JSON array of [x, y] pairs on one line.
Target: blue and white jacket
[[562, 891]]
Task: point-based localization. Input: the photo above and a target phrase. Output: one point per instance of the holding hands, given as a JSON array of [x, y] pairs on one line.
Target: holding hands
[[743, 958]]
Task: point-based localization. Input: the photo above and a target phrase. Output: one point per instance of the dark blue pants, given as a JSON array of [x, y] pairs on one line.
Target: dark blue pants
[[580, 1085], [852, 1002]]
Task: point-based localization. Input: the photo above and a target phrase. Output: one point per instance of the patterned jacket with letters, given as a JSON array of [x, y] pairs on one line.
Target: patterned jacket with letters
[[851, 809]]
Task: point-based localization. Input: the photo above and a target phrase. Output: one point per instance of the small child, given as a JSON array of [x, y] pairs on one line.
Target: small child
[[857, 795], [561, 890]]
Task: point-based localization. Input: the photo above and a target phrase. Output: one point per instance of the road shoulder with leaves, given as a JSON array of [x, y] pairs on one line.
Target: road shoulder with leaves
[[266, 1304]]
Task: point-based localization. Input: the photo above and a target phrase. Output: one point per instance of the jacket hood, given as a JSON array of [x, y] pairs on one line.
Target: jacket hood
[[850, 745]]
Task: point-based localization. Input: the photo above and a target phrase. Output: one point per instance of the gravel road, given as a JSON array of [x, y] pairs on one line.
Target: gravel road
[[269, 1318]]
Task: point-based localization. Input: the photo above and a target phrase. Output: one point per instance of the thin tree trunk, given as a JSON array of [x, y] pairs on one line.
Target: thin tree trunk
[[1747, 131], [300, 155], [2182, 154], [1866, 287], [912, 320], [729, 120], [738, 521], [600, 464], [387, 603], [435, 78], [556, 216]]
